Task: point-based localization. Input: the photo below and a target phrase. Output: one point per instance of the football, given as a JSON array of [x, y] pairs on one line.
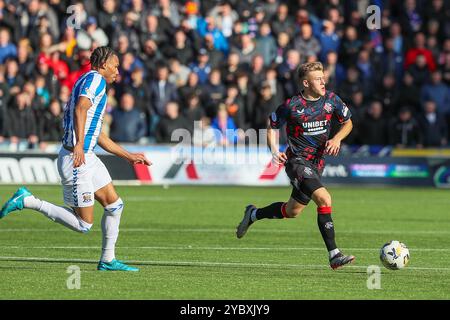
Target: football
[[394, 255]]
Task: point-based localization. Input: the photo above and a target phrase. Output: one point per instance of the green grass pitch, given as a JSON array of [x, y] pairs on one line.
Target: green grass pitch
[[183, 240]]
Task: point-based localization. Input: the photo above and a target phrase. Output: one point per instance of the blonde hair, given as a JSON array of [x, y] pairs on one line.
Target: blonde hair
[[306, 68]]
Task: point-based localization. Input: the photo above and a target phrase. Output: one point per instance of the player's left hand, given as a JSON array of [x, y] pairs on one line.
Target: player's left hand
[[332, 147], [139, 158]]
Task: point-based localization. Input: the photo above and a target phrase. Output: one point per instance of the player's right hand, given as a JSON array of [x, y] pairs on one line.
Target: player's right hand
[[139, 158], [78, 156], [279, 157]]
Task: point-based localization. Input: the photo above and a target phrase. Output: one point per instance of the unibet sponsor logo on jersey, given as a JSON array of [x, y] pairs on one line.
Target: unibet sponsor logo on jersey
[[313, 128]]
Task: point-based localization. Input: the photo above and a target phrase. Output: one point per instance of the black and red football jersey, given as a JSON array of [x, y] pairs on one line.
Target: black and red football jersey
[[308, 124]]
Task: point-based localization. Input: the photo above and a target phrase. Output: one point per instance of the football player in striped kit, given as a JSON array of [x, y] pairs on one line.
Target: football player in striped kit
[[83, 175]]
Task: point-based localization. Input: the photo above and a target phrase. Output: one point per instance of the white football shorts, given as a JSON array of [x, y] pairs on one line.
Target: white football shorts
[[80, 184]]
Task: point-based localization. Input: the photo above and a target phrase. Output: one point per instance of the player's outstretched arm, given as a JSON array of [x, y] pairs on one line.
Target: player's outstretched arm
[[272, 141], [110, 146], [333, 146]]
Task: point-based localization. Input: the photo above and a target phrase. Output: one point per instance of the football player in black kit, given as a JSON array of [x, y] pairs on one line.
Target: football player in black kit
[[307, 117]]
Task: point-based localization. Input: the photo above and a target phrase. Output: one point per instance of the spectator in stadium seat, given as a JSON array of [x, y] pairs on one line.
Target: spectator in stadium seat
[[247, 50], [63, 95], [373, 128], [192, 86], [438, 92], [225, 128], [282, 22], [436, 11], [97, 34], [168, 10], [138, 89], [350, 46], [208, 26], [68, 43], [25, 58], [154, 31], [235, 106], [21, 121], [201, 67], [179, 73], [287, 72], [266, 44], [434, 126], [162, 91], [213, 92], [420, 49], [7, 48], [216, 57], [50, 126], [271, 77], [391, 61], [334, 71], [181, 48], [248, 96], [12, 77], [445, 69], [410, 17], [8, 19], [37, 105], [150, 56], [257, 71], [193, 110], [419, 71], [169, 123], [204, 135], [329, 40], [230, 68], [109, 17], [224, 16], [265, 105], [387, 93], [409, 93], [4, 100], [404, 130], [350, 84], [366, 71], [306, 43], [128, 122], [128, 28], [283, 46]]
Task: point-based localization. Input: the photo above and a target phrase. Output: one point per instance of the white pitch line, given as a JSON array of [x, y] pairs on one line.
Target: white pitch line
[[203, 263], [216, 248], [211, 230]]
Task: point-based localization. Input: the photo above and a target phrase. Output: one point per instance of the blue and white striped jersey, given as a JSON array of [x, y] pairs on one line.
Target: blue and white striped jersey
[[91, 85]]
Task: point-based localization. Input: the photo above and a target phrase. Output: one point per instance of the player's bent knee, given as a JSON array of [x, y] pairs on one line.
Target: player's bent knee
[[324, 202], [323, 199], [115, 207]]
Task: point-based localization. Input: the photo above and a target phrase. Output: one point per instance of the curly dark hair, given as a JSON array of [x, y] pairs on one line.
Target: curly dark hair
[[101, 55]]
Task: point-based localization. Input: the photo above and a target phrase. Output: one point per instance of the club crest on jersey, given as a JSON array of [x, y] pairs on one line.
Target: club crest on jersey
[[308, 171], [328, 108], [274, 117], [87, 197]]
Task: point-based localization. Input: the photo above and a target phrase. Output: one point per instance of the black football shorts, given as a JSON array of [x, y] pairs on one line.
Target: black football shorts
[[304, 177]]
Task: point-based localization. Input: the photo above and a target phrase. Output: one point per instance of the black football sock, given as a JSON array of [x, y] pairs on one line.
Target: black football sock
[[276, 210], [326, 227]]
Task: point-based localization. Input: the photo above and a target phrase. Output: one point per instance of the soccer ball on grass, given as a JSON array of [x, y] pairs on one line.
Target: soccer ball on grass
[[394, 255]]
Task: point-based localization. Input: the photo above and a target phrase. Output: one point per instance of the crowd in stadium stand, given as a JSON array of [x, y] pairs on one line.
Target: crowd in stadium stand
[[226, 64]]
